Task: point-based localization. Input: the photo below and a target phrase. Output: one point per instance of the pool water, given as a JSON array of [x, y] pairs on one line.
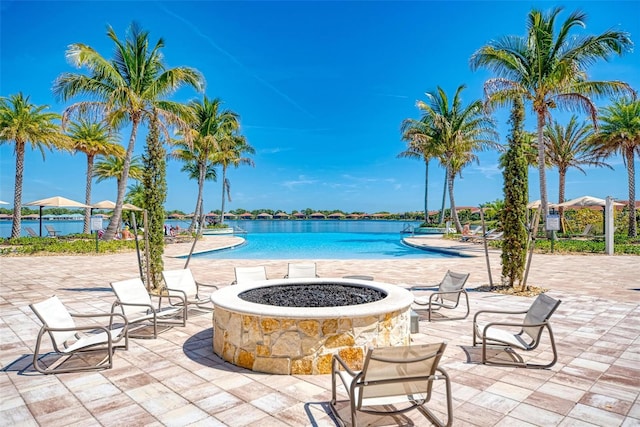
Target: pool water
[[322, 245]]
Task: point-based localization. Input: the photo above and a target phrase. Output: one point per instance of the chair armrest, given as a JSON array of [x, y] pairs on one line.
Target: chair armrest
[[519, 325], [198, 284], [75, 328], [338, 361], [497, 312], [448, 292], [132, 304], [182, 298]]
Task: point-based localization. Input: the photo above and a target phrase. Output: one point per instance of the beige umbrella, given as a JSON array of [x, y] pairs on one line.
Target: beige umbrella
[[585, 202], [108, 204], [130, 207], [536, 204], [104, 204], [55, 202], [2, 202]]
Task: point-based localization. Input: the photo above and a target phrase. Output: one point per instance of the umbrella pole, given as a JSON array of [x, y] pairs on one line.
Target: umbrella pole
[[40, 221]]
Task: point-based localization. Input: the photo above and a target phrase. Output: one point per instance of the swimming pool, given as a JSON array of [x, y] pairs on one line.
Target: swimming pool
[[322, 245]]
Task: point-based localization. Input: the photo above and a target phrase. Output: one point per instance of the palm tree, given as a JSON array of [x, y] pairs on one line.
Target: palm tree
[[568, 147], [113, 167], [620, 133], [211, 125], [128, 89], [27, 124], [420, 145], [231, 150], [548, 68], [93, 138], [457, 132]]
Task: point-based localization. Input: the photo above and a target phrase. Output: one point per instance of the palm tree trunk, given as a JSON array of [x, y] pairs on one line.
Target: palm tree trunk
[[631, 174], [87, 195], [224, 186], [114, 223], [197, 212], [562, 179], [544, 204], [17, 196], [426, 190], [444, 194], [452, 201]]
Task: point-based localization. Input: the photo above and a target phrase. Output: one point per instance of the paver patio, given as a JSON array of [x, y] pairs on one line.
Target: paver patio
[[176, 380]]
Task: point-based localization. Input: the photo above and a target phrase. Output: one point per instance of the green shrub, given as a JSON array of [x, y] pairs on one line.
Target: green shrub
[[66, 245]]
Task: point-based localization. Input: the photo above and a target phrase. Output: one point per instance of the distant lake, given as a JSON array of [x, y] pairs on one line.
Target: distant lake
[[251, 226]]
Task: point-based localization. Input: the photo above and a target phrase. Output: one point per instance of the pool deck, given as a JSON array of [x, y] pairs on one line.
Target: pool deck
[[176, 380]]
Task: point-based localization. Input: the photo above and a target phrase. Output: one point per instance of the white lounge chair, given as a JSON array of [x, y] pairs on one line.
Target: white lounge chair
[[301, 270], [393, 380], [135, 303], [536, 320], [52, 231], [249, 274], [70, 340], [447, 295], [181, 283]]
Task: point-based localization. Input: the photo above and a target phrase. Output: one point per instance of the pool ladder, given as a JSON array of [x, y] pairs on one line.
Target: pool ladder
[[408, 229]]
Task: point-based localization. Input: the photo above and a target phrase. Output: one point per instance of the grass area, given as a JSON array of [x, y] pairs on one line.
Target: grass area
[[74, 244], [622, 245]]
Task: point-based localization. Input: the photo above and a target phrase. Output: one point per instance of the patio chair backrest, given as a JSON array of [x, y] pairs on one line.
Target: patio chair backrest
[[539, 312], [399, 371], [181, 280], [302, 270], [452, 282], [31, 232], [132, 291], [53, 314], [250, 274]]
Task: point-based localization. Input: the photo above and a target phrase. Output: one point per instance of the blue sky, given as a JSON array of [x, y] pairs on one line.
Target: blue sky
[[321, 89]]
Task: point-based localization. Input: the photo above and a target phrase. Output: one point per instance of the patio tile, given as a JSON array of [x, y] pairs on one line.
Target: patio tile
[[182, 416], [176, 379], [607, 403], [535, 415], [596, 416], [550, 402], [242, 414]]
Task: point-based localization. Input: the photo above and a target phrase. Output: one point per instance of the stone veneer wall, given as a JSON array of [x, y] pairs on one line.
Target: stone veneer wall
[[303, 346]]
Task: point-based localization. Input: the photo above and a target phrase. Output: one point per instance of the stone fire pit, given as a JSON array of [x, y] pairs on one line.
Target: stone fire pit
[[303, 339]]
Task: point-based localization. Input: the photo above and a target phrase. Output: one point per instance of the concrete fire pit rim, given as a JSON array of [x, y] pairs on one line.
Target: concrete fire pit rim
[[397, 299]]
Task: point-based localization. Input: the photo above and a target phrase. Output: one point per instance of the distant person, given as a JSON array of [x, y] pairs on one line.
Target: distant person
[[126, 234], [466, 232]]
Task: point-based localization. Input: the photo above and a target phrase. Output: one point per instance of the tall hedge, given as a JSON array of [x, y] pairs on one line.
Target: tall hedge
[[516, 189], [154, 183]]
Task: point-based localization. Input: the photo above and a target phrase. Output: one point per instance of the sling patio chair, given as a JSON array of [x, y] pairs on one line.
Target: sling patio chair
[[447, 295], [301, 270], [75, 343], [181, 283], [393, 380], [536, 319], [52, 231], [133, 300], [249, 274], [31, 232]]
